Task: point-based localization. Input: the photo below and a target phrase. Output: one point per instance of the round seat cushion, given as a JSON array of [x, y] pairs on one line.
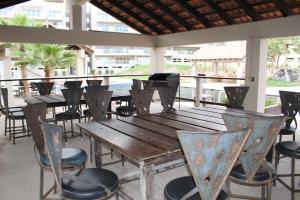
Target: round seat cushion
[[66, 115], [17, 115], [261, 175], [288, 148], [287, 131], [88, 184], [179, 187], [73, 156]]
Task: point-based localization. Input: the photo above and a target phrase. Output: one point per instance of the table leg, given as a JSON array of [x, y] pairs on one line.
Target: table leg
[[109, 110], [146, 182], [98, 154]]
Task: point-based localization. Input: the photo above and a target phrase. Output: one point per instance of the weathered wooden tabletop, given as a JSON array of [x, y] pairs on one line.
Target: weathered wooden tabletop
[[152, 140]]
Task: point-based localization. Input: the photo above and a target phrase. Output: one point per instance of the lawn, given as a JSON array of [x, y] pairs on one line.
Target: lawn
[[279, 83]]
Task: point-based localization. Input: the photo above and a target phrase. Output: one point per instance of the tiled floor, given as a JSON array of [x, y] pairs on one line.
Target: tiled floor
[[19, 172]]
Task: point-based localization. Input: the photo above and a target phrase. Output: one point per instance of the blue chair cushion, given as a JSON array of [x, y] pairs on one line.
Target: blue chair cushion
[[288, 148], [261, 175], [17, 115], [179, 187], [73, 156], [85, 186]]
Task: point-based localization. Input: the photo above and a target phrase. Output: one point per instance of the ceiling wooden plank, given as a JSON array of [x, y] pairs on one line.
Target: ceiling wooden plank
[[138, 18], [220, 12], [170, 13], [192, 11], [118, 17], [151, 14], [284, 9], [7, 3], [248, 10]]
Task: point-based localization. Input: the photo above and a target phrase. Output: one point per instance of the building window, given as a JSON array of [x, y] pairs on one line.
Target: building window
[[5, 11], [103, 27], [53, 13], [122, 60], [32, 13], [121, 28]]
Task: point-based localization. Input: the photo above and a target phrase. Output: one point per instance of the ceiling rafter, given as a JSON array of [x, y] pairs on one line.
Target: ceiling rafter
[[220, 12], [152, 15], [119, 17], [168, 12], [7, 3], [284, 9], [248, 10], [195, 13], [138, 18]]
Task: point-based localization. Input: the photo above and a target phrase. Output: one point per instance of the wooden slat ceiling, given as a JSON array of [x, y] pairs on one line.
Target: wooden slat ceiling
[[7, 3], [157, 17]]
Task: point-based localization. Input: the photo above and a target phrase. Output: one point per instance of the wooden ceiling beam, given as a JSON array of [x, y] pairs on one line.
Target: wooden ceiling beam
[[168, 12], [138, 18], [119, 17], [7, 3], [248, 10], [220, 12], [284, 9], [192, 11], [151, 14]]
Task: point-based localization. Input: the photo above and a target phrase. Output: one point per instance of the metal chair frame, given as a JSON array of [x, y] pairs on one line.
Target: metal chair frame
[[53, 142], [264, 133], [10, 121], [236, 95], [44, 88], [72, 84]]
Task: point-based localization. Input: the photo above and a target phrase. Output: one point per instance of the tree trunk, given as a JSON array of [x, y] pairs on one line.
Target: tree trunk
[[47, 74], [277, 63], [25, 82]]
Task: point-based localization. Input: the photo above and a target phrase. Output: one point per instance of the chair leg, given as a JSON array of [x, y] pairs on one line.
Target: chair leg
[[263, 192], [65, 132], [9, 128], [117, 195], [41, 183], [14, 131], [91, 149], [294, 138], [293, 179], [5, 129], [269, 191], [280, 138], [277, 156], [23, 126], [72, 131]]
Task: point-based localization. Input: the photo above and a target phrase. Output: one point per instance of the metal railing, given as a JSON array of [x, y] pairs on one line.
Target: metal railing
[[199, 81]]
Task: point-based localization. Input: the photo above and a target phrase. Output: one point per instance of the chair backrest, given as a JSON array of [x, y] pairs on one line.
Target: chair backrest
[[236, 95], [211, 156], [167, 95], [53, 142], [263, 135], [34, 112], [142, 100], [290, 105], [4, 93], [136, 84], [98, 103], [72, 97], [45, 88], [33, 85], [94, 82], [96, 88], [72, 84], [147, 84]]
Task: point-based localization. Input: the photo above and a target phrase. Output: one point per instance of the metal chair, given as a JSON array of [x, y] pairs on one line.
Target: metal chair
[[142, 100], [72, 97], [210, 157], [236, 96], [91, 90], [71, 157], [91, 183], [94, 82], [34, 90], [98, 102], [290, 102], [13, 114], [45, 88], [72, 84], [253, 169]]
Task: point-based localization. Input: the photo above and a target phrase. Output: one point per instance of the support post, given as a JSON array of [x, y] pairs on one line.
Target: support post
[[106, 80], [147, 182], [7, 74], [157, 60], [256, 67], [199, 91]]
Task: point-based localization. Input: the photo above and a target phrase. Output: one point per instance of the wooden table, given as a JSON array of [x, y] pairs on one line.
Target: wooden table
[[58, 100], [151, 141]]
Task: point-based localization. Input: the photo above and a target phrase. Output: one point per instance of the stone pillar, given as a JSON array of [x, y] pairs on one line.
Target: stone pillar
[[80, 63], [157, 60], [256, 68], [77, 14]]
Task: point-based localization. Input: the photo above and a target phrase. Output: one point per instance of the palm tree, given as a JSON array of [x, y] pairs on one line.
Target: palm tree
[[51, 56], [19, 49]]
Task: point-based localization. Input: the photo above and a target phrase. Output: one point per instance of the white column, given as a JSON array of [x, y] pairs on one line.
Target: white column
[[76, 18], [80, 63], [256, 67], [7, 74], [157, 60]]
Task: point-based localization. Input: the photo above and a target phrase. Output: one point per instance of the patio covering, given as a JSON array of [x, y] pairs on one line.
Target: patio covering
[[157, 17]]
